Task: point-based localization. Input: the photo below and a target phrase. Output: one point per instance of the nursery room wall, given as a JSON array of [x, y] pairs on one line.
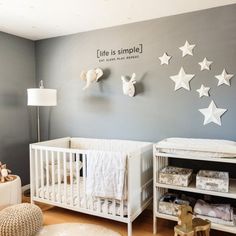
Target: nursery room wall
[[157, 111], [17, 69]]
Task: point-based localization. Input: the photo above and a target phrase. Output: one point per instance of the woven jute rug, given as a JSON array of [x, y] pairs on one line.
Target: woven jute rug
[[75, 229]]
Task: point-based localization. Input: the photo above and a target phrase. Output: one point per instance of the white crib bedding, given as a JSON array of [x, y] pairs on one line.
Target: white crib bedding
[[198, 147], [92, 203]]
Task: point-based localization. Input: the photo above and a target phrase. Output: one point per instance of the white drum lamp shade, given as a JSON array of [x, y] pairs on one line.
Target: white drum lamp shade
[[42, 97]]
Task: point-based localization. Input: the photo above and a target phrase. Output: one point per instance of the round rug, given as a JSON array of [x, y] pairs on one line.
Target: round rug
[[75, 229]]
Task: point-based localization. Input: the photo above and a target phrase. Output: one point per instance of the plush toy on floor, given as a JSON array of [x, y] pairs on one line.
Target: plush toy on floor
[[187, 226], [4, 173]]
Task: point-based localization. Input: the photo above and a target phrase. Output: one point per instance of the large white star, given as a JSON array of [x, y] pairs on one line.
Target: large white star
[[182, 79], [212, 114], [187, 49], [205, 64], [203, 91], [224, 78], [165, 59]]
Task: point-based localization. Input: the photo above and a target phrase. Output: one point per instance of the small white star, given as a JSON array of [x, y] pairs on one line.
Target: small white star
[[212, 114], [205, 64], [165, 59], [203, 91], [187, 49], [224, 78], [182, 79]]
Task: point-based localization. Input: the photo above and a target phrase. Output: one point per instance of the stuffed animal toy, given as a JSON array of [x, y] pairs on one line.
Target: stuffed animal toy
[[4, 173]]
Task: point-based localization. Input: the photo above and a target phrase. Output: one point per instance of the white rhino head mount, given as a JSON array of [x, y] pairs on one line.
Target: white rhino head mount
[[91, 76], [128, 86]]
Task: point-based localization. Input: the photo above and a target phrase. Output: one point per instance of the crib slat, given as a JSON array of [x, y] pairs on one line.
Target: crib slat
[[84, 178], [59, 177], [41, 170], [105, 206], [122, 208], [71, 181], [77, 178], [65, 177], [47, 175], [113, 207], [37, 173], [99, 205], [53, 176]]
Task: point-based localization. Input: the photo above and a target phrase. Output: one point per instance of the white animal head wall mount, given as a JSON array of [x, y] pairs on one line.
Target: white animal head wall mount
[[128, 85], [91, 76]]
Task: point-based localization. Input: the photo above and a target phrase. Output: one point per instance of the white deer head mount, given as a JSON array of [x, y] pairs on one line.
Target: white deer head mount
[[128, 85], [91, 76]]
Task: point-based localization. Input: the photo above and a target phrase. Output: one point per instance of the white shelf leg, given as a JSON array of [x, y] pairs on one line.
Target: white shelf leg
[[154, 224]]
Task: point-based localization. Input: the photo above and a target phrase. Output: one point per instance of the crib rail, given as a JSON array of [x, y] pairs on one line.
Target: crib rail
[[58, 177]]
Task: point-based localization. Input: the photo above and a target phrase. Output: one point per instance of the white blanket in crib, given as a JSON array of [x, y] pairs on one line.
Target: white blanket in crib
[[106, 173]]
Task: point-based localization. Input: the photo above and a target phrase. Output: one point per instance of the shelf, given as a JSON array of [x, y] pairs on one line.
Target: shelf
[[225, 228], [212, 159], [192, 188], [161, 160]]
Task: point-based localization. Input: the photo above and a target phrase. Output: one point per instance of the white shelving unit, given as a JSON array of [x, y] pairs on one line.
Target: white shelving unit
[[160, 160]]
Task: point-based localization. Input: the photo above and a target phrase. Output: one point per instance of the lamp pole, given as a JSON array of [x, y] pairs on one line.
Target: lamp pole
[[38, 125]]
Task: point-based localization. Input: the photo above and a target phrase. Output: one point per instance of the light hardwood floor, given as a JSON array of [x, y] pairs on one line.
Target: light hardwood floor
[[141, 227]]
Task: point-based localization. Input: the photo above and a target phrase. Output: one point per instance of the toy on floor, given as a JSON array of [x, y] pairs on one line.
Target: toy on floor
[[4, 173], [187, 226]]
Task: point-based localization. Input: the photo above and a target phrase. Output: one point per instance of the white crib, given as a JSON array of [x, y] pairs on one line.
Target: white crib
[[58, 177]]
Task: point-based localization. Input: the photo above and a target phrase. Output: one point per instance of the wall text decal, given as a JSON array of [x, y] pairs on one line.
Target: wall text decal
[[104, 55]]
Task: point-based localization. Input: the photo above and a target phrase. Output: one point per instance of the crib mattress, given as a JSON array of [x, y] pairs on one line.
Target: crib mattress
[[80, 200], [198, 147]]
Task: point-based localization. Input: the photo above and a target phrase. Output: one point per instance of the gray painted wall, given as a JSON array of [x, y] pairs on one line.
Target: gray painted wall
[[156, 111], [17, 73], [103, 111]]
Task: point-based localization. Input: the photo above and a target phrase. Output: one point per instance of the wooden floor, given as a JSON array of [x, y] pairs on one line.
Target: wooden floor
[[141, 227]]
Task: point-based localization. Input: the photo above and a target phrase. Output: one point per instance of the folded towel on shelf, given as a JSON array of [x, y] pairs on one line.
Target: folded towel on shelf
[[221, 211], [216, 220], [106, 174]]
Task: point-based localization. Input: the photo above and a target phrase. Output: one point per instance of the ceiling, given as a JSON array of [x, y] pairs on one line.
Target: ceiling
[[39, 19]]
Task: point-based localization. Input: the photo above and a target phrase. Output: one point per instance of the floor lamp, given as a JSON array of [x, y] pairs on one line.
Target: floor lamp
[[41, 97]]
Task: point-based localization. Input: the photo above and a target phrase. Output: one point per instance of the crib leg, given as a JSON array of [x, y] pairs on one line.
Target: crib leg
[[130, 229], [32, 201], [154, 224]]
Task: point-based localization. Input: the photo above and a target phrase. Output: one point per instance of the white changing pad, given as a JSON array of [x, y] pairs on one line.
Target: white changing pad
[[88, 203], [198, 147]]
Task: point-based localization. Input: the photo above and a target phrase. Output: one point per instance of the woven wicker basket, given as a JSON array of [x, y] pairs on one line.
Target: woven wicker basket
[[20, 220]]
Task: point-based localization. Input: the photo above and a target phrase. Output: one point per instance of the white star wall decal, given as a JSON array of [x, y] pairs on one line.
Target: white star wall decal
[[182, 79], [203, 91], [212, 114], [224, 78], [187, 49], [165, 59], [205, 64]]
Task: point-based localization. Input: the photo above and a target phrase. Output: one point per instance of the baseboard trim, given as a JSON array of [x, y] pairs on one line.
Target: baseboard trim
[[25, 187]]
